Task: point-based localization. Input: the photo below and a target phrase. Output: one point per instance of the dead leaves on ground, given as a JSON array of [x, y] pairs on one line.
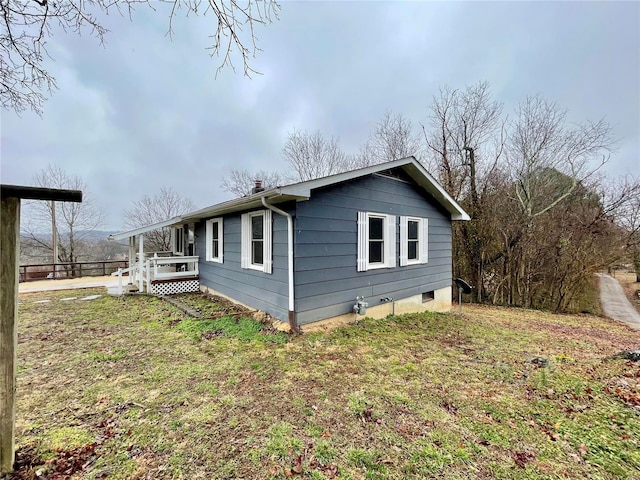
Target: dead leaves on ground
[[305, 462]]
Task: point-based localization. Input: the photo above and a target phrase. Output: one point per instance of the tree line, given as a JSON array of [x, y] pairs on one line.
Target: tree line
[[545, 218], [64, 232]]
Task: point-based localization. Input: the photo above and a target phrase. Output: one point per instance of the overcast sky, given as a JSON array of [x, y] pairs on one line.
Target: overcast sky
[[145, 112]]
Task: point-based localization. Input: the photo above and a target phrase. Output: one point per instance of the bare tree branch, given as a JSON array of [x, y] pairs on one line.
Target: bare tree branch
[[26, 25], [240, 182], [75, 221], [393, 138], [162, 206], [311, 155], [541, 140]]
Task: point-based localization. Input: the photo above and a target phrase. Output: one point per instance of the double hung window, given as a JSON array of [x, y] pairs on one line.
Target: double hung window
[[256, 247], [215, 240], [376, 241], [414, 234]]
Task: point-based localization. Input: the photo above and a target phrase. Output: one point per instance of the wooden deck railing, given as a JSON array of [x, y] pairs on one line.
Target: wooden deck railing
[[158, 268], [43, 271]]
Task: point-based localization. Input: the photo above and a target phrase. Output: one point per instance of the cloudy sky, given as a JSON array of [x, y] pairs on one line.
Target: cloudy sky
[[145, 112]]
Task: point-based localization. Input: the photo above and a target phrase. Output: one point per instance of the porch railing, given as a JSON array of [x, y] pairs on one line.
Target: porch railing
[[159, 268], [165, 268], [44, 271]]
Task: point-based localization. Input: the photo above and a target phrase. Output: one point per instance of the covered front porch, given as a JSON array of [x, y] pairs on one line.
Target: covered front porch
[[159, 272]]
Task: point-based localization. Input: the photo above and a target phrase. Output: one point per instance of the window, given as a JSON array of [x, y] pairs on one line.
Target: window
[[414, 234], [178, 240], [191, 239], [256, 241], [376, 241], [214, 236]]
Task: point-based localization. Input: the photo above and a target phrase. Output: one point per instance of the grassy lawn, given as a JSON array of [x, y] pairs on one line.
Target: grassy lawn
[[132, 388]]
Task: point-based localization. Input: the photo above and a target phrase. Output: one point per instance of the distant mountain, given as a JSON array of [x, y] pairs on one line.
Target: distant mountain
[[87, 235]]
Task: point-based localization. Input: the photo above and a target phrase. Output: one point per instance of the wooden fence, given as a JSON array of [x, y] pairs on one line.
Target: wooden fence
[[45, 271]]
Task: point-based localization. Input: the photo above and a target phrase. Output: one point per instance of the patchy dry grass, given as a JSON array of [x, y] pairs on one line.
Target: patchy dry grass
[[130, 388]]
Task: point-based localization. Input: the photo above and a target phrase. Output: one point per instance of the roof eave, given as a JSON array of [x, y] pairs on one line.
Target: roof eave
[[278, 194], [302, 191], [144, 229]]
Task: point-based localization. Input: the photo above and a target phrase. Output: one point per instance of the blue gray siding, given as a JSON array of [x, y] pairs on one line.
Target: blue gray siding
[[326, 278], [266, 292], [325, 245]]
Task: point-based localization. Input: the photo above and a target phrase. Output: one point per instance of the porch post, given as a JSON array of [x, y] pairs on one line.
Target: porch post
[[141, 261], [132, 258]]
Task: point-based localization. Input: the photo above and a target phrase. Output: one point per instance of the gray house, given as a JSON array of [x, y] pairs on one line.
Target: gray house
[[374, 240]]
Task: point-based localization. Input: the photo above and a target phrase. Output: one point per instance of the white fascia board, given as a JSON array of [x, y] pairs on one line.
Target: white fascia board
[[275, 195], [145, 229], [409, 164]]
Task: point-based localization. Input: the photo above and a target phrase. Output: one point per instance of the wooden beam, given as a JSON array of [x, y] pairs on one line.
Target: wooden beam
[[9, 254], [10, 196], [38, 193]]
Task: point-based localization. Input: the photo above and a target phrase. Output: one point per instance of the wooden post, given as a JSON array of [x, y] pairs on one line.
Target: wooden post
[[54, 239], [9, 267], [10, 196]]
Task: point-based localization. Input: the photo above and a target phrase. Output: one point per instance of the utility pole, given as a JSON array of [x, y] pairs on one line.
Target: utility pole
[[472, 228], [472, 174]]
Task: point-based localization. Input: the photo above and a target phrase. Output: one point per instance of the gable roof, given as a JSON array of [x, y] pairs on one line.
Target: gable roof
[[302, 191]]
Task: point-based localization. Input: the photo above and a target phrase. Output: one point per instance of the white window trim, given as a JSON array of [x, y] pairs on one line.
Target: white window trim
[[389, 241], [267, 247], [423, 241], [209, 240], [178, 238]]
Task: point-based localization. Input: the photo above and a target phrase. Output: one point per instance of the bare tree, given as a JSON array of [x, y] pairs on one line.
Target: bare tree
[[621, 202], [393, 138], [69, 223], [557, 229], [541, 140], [162, 206], [28, 24], [311, 155], [240, 182], [465, 136]]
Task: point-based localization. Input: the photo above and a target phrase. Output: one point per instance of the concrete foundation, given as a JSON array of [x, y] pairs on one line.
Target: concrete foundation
[[414, 304], [441, 302]]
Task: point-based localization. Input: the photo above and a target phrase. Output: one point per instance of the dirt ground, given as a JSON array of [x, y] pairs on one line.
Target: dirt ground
[[70, 284]]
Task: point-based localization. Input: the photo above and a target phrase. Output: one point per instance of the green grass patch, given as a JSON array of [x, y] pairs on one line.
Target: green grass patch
[[246, 329], [166, 396], [107, 355]]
